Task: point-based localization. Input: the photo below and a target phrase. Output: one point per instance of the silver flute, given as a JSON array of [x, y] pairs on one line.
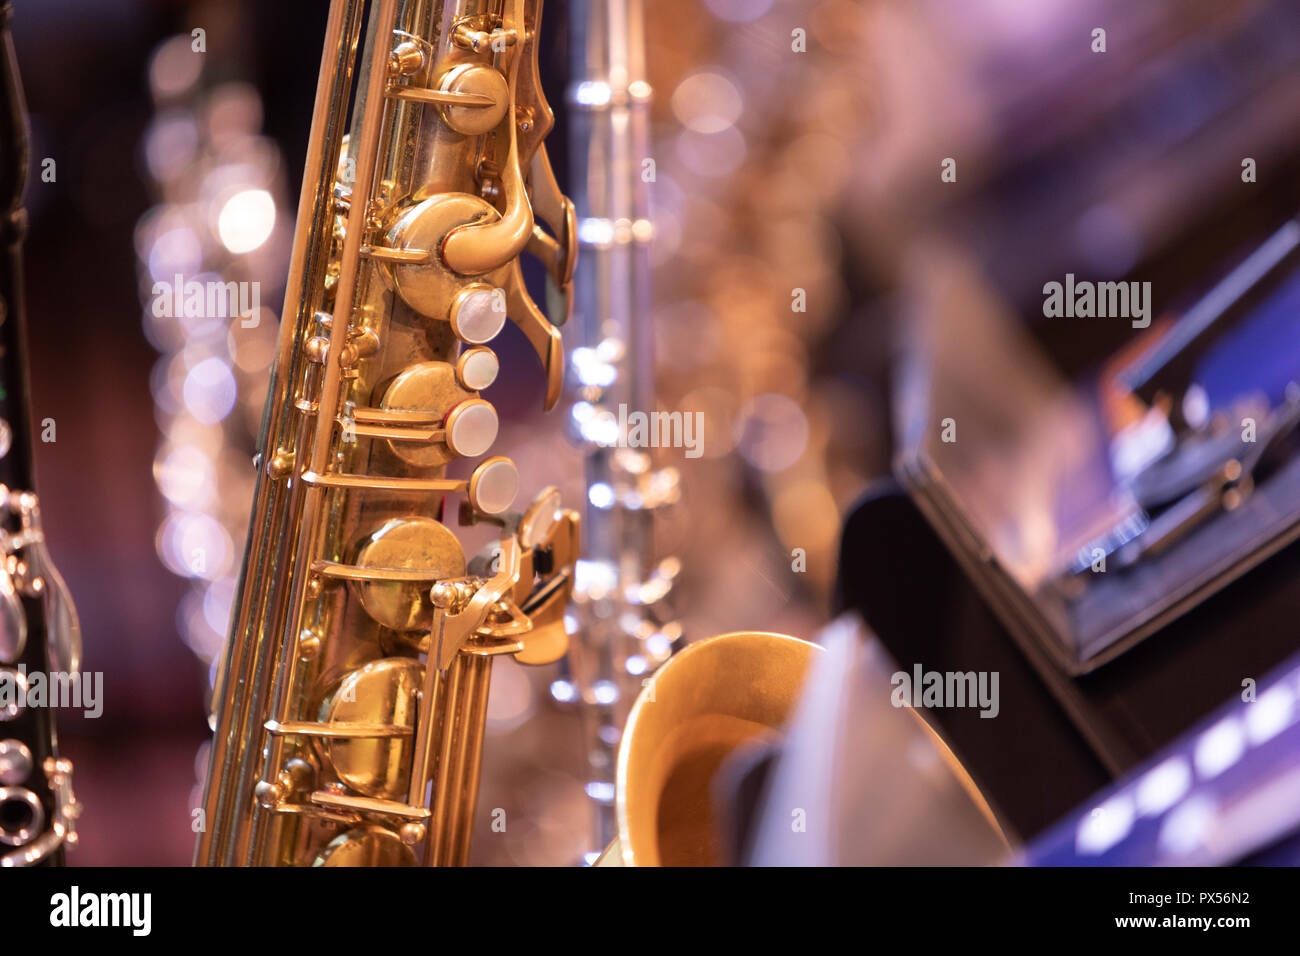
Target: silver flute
[[625, 630]]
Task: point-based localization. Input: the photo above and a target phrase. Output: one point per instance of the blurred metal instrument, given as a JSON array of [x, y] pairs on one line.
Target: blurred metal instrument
[[731, 692], [710, 701], [220, 198], [349, 719], [625, 630], [220, 201], [39, 630]]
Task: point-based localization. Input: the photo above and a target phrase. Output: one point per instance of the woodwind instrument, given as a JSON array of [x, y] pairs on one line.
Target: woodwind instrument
[[39, 631], [625, 631], [350, 715]]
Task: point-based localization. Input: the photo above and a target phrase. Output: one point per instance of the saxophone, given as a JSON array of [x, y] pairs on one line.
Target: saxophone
[[350, 708]]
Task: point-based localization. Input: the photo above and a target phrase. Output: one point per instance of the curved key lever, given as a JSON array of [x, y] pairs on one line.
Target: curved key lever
[[541, 334], [423, 283], [451, 630], [477, 248], [559, 253]]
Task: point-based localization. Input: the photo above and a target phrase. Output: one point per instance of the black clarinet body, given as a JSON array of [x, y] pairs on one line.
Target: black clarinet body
[[37, 808]]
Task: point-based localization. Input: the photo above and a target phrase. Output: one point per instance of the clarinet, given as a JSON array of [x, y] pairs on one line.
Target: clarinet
[[39, 631]]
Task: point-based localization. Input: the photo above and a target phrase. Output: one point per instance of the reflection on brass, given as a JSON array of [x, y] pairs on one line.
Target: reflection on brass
[[366, 846], [409, 544], [482, 81], [710, 699], [382, 692], [425, 386]]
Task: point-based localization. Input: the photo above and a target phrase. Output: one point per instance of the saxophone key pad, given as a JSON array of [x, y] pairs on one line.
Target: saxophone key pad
[[427, 387], [471, 428], [413, 543], [383, 693], [540, 519], [477, 368], [478, 313], [493, 486]]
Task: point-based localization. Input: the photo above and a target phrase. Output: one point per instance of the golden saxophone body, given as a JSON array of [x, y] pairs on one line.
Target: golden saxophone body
[[350, 708]]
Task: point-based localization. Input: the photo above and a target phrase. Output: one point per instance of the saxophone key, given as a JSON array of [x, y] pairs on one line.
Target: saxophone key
[[471, 117], [477, 369], [425, 395], [367, 846], [420, 546], [478, 313], [472, 428], [383, 692], [493, 486]]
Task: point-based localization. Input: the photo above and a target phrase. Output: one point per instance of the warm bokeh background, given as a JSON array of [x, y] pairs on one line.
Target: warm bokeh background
[[778, 171], [96, 372]]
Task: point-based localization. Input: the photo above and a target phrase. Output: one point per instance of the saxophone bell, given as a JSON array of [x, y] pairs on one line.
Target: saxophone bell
[[715, 697]]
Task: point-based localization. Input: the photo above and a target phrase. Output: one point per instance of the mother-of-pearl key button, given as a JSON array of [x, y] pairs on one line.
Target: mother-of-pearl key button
[[478, 313], [493, 486], [477, 368], [471, 428]]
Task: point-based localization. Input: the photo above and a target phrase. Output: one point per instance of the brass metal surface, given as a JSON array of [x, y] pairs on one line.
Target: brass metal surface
[[350, 716], [379, 693], [415, 543], [423, 387], [366, 846], [713, 697]]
